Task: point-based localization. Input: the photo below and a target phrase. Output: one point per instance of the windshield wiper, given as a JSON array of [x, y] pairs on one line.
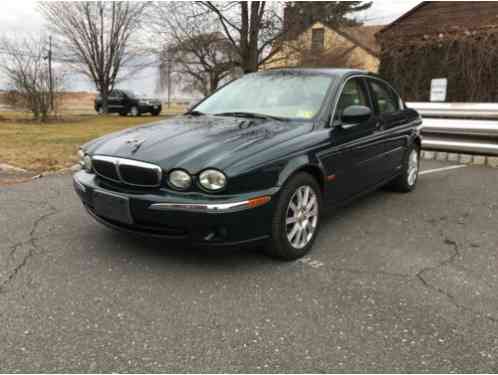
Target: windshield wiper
[[195, 113], [252, 115]]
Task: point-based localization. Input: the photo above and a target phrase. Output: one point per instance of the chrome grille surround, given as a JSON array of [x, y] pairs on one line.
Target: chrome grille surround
[[117, 162]]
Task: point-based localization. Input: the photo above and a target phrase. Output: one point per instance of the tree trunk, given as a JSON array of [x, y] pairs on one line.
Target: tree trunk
[[104, 93], [214, 81]]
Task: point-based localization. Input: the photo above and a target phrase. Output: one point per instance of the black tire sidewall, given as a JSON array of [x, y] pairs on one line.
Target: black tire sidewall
[[279, 246]]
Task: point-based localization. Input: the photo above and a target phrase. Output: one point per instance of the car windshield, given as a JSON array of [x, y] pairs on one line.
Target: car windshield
[[290, 95]]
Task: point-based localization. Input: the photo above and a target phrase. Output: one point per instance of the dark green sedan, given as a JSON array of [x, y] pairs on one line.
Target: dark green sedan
[[260, 160]]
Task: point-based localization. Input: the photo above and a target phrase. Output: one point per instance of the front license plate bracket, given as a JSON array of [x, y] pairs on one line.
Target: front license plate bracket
[[112, 206]]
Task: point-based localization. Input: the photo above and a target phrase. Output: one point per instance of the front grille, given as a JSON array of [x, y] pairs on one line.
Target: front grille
[[138, 176], [105, 169], [126, 171]]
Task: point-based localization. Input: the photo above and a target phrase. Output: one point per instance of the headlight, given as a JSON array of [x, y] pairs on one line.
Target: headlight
[[180, 179], [213, 180], [85, 161], [81, 155]]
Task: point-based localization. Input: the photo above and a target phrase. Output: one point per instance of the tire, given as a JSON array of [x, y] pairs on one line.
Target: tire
[[123, 114], [407, 180], [100, 111], [155, 113], [134, 111], [291, 236]]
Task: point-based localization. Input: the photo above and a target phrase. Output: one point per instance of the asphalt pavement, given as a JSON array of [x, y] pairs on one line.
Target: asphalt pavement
[[396, 282]]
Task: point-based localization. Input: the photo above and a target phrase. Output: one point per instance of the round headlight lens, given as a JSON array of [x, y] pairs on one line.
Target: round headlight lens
[[180, 179], [212, 180], [87, 163]]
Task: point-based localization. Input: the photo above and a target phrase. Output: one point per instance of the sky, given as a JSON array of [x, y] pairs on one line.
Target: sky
[[22, 17]]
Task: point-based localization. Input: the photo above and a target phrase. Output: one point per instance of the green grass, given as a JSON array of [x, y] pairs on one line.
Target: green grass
[[47, 147]]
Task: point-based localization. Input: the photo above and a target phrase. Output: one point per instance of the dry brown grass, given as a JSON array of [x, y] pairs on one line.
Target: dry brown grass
[[47, 147]]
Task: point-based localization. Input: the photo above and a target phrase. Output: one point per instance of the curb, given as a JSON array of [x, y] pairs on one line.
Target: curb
[[489, 161], [10, 168], [74, 168]]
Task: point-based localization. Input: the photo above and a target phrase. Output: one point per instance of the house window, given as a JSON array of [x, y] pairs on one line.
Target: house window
[[317, 39]]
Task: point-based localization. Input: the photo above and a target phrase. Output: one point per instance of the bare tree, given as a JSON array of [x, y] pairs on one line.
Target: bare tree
[[192, 50], [251, 27], [23, 62], [204, 59], [95, 37]]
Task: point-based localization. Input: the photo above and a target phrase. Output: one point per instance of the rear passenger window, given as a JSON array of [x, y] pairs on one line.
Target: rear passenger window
[[387, 101]]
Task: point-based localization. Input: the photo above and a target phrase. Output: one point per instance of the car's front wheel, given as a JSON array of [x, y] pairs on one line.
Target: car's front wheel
[[296, 219]]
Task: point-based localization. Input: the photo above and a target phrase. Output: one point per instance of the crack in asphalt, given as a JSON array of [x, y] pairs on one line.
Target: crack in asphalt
[[445, 262], [33, 246], [455, 254]]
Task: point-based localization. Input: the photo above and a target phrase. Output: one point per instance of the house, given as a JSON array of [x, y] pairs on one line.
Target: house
[[453, 40], [321, 45]]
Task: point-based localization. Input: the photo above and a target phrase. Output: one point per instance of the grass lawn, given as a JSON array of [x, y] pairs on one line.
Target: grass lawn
[[47, 147]]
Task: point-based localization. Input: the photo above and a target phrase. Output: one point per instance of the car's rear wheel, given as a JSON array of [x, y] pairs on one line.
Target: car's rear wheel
[[100, 110], [296, 219], [155, 113], [134, 111], [407, 180]]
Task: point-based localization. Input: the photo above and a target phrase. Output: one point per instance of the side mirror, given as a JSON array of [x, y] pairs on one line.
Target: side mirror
[[355, 115]]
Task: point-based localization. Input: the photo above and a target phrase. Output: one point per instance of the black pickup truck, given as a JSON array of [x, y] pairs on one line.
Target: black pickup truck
[[127, 103]]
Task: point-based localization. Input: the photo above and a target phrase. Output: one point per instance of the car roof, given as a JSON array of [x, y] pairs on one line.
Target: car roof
[[336, 72]]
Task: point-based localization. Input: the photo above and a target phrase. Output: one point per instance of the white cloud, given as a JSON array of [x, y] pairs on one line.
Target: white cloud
[[383, 12]]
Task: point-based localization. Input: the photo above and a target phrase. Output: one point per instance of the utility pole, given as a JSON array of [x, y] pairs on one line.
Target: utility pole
[[169, 81], [50, 82]]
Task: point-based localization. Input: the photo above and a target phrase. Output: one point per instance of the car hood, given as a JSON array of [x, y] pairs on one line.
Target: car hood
[[196, 143]]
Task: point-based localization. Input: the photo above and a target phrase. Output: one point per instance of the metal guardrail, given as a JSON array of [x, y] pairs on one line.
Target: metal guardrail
[[457, 110], [466, 128]]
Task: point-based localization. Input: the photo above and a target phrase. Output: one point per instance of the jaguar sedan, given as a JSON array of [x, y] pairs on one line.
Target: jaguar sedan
[[261, 160]]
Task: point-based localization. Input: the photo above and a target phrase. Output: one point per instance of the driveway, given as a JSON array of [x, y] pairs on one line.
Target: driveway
[[396, 282]]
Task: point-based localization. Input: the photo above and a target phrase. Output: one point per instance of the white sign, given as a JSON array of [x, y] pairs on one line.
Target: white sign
[[438, 89]]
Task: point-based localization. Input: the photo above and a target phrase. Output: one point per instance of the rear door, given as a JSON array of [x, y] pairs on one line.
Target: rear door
[[352, 159], [116, 101], [392, 116]]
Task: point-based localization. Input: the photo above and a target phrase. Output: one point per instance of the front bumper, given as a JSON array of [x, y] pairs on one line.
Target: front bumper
[[195, 218]]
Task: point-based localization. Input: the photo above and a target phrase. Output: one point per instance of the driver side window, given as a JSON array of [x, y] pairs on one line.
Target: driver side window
[[115, 95], [353, 93]]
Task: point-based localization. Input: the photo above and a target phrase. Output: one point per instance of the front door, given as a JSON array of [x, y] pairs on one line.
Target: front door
[[353, 160]]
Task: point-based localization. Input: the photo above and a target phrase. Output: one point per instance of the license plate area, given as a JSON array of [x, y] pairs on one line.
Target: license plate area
[[112, 206]]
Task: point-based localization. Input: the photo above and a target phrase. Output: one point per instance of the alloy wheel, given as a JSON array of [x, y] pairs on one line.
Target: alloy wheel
[[412, 167], [134, 111], [302, 217]]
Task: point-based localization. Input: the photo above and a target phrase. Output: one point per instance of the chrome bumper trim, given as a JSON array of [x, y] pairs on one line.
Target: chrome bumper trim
[[202, 207]]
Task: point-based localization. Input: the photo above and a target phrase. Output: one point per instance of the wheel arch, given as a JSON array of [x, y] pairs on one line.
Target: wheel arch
[[303, 164]]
